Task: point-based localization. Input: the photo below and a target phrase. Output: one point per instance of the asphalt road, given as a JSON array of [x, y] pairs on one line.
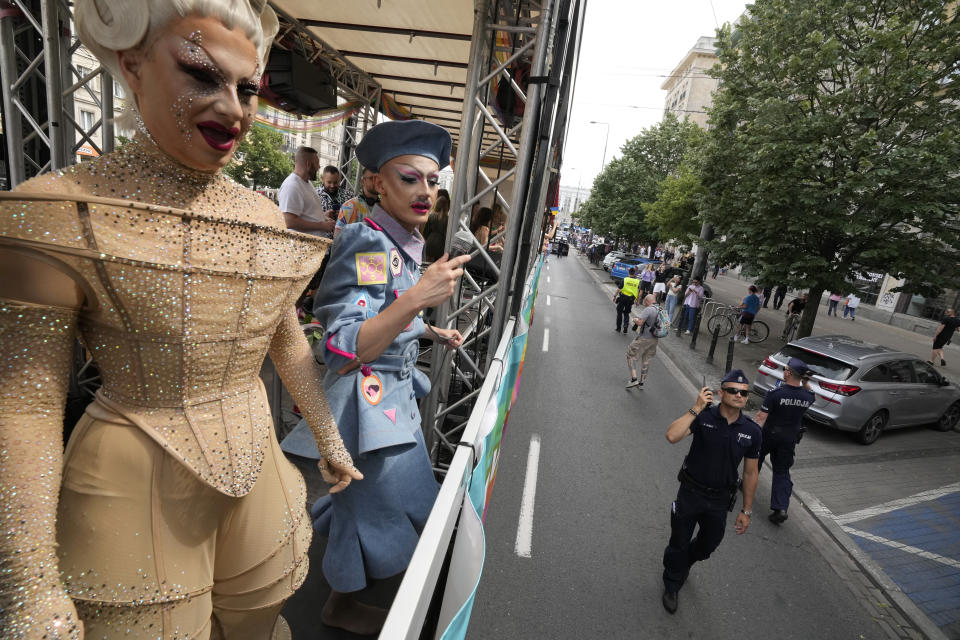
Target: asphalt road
[[605, 481]]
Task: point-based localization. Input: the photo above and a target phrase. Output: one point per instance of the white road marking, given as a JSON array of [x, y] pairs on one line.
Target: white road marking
[[546, 339], [548, 300], [548, 279], [525, 525], [893, 505], [936, 557]]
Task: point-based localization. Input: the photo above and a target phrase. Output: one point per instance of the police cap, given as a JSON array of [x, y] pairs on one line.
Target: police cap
[[798, 366], [737, 376]]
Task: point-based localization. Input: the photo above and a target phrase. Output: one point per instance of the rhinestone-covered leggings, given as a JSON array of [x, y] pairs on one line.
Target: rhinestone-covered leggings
[[148, 550]]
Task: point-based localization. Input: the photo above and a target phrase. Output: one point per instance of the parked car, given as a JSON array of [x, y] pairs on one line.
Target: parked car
[[621, 268], [611, 258], [866, 388]]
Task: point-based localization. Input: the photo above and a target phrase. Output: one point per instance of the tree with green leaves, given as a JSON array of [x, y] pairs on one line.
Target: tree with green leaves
[[625, 189], [259, 161], [675, 213], [835, 144]]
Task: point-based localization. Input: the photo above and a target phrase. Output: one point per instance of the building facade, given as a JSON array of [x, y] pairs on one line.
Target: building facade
[[689, 88]]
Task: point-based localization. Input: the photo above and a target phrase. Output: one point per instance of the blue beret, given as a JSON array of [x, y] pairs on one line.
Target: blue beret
[[798, 366], [737, 375], [395, 138]]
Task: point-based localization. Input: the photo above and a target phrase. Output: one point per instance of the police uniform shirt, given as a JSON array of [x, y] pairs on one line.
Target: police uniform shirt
[[718, 447], [785, 407]]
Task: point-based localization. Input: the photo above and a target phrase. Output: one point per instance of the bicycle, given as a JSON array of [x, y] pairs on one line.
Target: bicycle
[[790, 327], [758, 331]]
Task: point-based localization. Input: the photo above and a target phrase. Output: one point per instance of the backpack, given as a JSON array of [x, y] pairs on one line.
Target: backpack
[[661, 326]]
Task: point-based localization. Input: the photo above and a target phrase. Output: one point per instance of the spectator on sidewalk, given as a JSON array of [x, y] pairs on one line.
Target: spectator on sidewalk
[[781, 417], [748, 309], [644, 346], [716, 270], [778, 295], [797, 305], [722, 437], [673, 292], [943, 335], [835, 299], [851, 307], [691, 303], [660, 282], [647, 278], [766, 296], [625, 298]]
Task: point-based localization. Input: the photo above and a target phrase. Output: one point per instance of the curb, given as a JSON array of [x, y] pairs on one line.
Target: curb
[[820, 513]]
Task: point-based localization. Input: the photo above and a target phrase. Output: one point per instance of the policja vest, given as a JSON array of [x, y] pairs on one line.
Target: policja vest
[[631, 287]]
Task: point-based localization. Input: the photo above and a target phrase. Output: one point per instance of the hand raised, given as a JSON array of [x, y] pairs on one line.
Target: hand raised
[[338, 475], [439, 279]]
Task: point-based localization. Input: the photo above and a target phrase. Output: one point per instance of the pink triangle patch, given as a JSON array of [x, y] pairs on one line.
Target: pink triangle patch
[[392, 414]]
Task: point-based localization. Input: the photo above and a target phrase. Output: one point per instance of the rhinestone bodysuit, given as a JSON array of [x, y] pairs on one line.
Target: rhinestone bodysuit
[[189, 281]]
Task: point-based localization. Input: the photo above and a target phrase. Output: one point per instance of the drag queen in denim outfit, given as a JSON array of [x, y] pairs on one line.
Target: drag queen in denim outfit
[[370, 302]]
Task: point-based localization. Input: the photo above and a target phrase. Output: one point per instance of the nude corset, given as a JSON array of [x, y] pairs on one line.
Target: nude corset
[[181, 303]]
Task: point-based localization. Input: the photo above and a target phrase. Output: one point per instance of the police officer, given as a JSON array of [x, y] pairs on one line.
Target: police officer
[[781, 416], [722, 436], [626, 298]]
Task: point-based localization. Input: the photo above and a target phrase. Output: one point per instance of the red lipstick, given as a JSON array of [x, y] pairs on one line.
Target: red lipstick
[[218, 136], [421, 207]]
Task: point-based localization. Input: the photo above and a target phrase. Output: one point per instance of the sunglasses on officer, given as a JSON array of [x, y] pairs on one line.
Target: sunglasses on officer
[[743, 392]]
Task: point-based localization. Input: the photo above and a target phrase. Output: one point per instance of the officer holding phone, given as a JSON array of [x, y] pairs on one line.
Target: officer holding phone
[[722, 437]]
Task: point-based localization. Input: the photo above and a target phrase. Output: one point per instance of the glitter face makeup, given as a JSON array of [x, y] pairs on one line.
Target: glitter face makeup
[[408, 188], [213, 74]]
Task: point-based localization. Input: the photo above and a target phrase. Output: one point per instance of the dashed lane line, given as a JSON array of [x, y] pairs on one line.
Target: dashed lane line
[[524, 545], [546, 339]]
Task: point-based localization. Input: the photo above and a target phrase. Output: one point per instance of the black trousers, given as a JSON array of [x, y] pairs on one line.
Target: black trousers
[[781, 447], [690, 510], [624, 304], [778, 297]]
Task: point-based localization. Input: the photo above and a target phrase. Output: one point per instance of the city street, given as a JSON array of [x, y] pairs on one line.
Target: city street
[[604, 484]]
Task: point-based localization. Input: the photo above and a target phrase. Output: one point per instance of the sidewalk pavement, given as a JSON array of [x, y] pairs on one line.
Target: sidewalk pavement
[[894, 506]]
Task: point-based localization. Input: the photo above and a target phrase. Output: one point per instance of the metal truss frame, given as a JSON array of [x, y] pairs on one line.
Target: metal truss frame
[[39, 86], [352, 82], [544, 32]]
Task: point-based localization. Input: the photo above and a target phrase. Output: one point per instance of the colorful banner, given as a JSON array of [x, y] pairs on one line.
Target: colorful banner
[[270, 118], [466, 565]]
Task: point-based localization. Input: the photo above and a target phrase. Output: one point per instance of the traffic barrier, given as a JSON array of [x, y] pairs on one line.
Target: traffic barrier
[[713, 344], [733, 341], [463, 499]]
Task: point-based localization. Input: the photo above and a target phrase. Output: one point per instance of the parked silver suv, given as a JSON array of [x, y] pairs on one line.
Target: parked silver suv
[[866, 388]]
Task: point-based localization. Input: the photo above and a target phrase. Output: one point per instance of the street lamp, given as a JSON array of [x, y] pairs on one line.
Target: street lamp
[[606, 140]]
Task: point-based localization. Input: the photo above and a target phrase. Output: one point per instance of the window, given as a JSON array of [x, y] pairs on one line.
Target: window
[[925, 373], [118, 91], [82, 71], [86, 120], [893, 371]]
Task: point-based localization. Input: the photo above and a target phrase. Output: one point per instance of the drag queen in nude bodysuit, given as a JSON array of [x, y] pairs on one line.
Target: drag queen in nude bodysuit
[[172, 512]]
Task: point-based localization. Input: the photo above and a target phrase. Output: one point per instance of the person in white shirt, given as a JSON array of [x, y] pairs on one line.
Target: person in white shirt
[[298, 199], [851, 307]]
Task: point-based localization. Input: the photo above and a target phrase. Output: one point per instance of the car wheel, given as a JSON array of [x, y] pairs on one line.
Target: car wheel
[[949, 418], [872, 428]]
